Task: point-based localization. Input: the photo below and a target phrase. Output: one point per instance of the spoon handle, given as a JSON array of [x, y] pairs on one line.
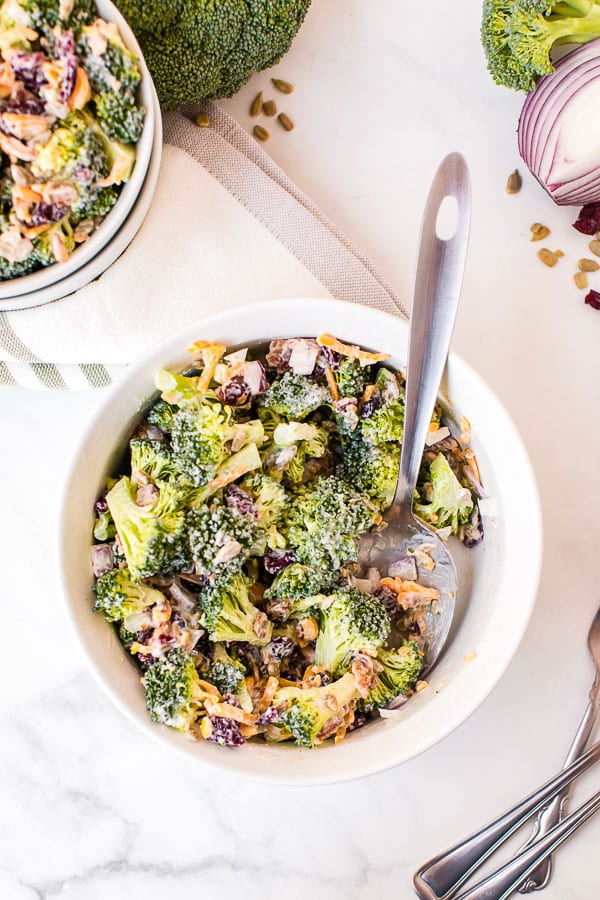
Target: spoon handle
[[438, 282]]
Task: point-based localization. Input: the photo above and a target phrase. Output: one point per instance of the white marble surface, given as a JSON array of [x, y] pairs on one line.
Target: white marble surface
[[89, 809]]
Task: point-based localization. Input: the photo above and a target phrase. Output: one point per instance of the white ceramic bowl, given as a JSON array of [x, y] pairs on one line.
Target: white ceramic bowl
[[44, 278], [498, 579]]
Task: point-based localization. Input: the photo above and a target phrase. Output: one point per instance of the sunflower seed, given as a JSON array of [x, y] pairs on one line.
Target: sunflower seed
[[256, 105], [285, 120], [202, 120], [261, 133], [514, 183], [269, 107], [284, 86]]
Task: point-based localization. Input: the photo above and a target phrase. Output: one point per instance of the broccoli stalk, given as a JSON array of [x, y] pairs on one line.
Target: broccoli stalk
[[174, 695], [519, 35], [451, 504], [401, 668], [228, 613], [353, 623], [312, 714], [118, 597]]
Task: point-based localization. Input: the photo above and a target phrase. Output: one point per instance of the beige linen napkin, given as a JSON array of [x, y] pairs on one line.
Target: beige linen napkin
[[226, 227]]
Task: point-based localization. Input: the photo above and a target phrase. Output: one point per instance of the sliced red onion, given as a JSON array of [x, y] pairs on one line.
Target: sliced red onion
[[255, 377], [405, 567], [559, 129], [397, 702], [184, 599], [304, 356], [102, 559]]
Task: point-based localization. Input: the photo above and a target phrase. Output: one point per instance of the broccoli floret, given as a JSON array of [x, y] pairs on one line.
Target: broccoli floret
[[323, 524], [196, 50], [121, 118], [118, 597], [153, 458], [227, 675], [297, 582], [371, 470], [42, 245], [221, 539], [295, 396], [353, 623], [104, 527], [228, 613], [94, 204], [174, 695], [153, 536], [115, 69], [10, 270], [313, 714], [352, 378], [45, 14], [401, 668], [74, 143], [199, 439], [161, 415], [518, 36], [385, 424], [311, 442], [451, 504], [269, 497]]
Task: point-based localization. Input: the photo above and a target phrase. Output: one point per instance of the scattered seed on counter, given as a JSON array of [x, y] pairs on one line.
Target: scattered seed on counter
[[514, 183], [580, 279], [595, 247], [202, 120], [284, 86], [588, 265], [256, 105], [539, 232], [285, 121], [261, 133], [558, 253], [269, 108], [547, 257]]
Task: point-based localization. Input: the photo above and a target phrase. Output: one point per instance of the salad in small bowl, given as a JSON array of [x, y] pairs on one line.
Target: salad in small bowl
[[76, 123], [209, 538]]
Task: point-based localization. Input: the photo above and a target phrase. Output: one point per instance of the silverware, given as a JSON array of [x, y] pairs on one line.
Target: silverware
[[443, 876], [437, 289], [553, 813]]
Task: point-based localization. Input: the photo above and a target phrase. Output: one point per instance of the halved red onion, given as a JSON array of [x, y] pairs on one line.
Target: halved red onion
[[559, 128]]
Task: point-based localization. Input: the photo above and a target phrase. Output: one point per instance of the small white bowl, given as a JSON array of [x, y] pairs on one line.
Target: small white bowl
[[128, 195], [497, 580]]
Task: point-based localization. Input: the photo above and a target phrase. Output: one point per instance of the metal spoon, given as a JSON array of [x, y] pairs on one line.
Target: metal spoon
[[553, 813], [437, 289]]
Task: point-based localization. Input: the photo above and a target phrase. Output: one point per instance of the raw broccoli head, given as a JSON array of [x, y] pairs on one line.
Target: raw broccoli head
[[401, 668], [227, 675], [353, 623], [325, 520], [119, 597], [153, 537], [352, 378], [385, 424], [229, 615], [370, 469], [153, 458], [451, 504], [312, 714], [518, 37], [174, 695], [195, 49], [221, 539], [295, 396]]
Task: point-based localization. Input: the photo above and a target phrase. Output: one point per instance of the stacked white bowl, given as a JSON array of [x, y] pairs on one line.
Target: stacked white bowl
[[120, 226]]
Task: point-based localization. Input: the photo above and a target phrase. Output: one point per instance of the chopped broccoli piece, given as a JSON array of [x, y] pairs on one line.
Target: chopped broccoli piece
[[94, 204], [121, 118], [229, 615], [297, 582], [196, 50], [26, 266], [352, 378], [104, 527], [370, 469], [353, 623], [227, 675], [312, 448], [385, 424], [312, 714], [451, 504], [42, 245], [161, 414], [518, 36], [401, 668], [269, 497], [153, 536], [295, 396], [199, 440], [74, 143], [323, 524], [174, 695], [45, 14], [153, 458], [119, 597], [221, 539]]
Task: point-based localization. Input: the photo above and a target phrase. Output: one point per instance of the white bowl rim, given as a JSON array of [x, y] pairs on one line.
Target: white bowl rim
[[331, 776], [46, 277]]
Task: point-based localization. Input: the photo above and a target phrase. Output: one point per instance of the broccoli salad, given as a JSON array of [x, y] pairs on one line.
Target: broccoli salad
[[69, 123], [225, 550]]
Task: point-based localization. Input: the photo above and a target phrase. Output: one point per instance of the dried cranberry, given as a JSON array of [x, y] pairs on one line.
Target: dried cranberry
[[588, 220], [331, 358], [101, 506], [144, 635], [178, 619], [279, 354], [239, 499], [65, 50], [225, 732], [232, 700], [27, 68], [371, 405], [145, 659], [592, 298], [388, 599], [281, 647], [276, 560], [359, 720], [234, 392], [414, 629], [42, 213], [269, 716], [23, 102]]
